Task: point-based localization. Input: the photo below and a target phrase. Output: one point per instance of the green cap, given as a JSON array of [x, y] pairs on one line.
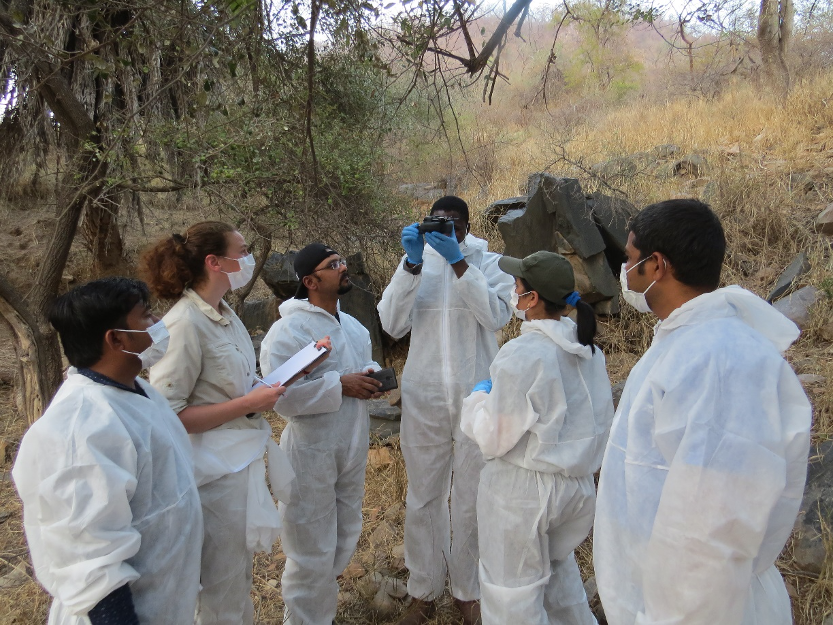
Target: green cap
[[548, 273]]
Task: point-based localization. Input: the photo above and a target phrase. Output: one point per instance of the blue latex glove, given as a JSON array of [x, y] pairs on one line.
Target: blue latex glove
[[446, 246], [483, 385], [413, 243]]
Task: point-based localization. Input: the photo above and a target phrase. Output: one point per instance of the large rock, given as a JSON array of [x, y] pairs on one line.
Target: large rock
[[260, 314], [360, 302], [824, 222], [797, 268], [423, 191], [557, 218], [611, 216], [279, 274], [797, 306], [816, 510], [555, 206], [496, 210]]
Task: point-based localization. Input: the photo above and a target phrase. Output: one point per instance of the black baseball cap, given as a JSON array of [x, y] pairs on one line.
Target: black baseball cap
[[548, 273], [305, 263]]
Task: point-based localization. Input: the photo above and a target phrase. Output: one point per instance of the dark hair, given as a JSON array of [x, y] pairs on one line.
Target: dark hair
[[689, 234], [585, 316], [178, 262], [83, 315], [452, 203]]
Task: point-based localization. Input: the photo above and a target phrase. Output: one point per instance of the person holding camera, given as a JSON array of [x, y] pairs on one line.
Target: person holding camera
[[326, 436], [452, 296]]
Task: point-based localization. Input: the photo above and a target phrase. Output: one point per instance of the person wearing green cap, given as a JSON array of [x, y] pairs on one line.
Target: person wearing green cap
[[542, 422]]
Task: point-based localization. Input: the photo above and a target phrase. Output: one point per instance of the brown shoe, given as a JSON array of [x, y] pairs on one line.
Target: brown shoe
[[420, 611], [470, 611]]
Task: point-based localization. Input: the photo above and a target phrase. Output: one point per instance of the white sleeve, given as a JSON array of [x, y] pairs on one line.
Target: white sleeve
[[312, 394], [397, 303], [729, 467], [496, 421], [487, 291], [76, 496]]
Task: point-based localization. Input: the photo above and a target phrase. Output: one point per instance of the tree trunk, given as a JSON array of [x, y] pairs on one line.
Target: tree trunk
[[775, 29], [101, 232]]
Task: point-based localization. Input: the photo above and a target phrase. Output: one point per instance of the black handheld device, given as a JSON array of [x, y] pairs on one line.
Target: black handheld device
[[387, 377], [435, 223]]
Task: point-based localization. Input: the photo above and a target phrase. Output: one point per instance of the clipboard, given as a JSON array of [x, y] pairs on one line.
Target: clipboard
[[297, 364]]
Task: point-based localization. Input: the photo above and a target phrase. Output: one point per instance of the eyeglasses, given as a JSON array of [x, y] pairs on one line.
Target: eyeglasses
[[334, 265]]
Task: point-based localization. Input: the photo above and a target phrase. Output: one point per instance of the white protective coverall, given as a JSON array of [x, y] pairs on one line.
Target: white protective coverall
[[210, 359], [452, 323], [543, 429], [704, 471], [326, 439], [107, 483]]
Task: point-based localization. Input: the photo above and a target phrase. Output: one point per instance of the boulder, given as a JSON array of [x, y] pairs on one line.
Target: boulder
[[797, 268], [360, 302], [622, 166], [257, 341], [382, 535], [690, 165], [279, 274], [797, 306], [617, 389], [816, 513], [824, 222], [260, 314], [496, 210], [611, 216], [384, 419], [801, 183], [555, 205], [594, 279], [666, 150], [422, 191]]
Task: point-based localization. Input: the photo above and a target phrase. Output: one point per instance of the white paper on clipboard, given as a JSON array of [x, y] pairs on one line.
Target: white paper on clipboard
[[292, 367]]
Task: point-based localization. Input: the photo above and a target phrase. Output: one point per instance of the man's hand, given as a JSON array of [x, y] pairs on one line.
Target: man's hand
[[446, 246], [360, 386], [413, 243]]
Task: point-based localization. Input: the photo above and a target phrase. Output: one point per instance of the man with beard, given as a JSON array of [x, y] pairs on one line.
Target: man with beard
[[326, 436]]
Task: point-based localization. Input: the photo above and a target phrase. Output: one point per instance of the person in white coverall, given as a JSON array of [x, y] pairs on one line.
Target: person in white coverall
[[541, 421], [207, 376], [110, 506], [326, 436], [452, 297], [704, 471]]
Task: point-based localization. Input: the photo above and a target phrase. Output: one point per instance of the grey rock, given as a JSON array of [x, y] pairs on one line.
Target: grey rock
[[607, 308], [619, 167], [279, 274], [591, 588], [801, 183], [611, 216], [690, 165], [260, 313], [617, 389], [496, 210], [797, 268], [709, 192], [360, 302], [666, 150], [381, 409], [554, 205], [422, 191], [384, 428], [824, 222], [594, 278], [816, 510], [16, 577], [810, 378], [257, 341], [797, 306]]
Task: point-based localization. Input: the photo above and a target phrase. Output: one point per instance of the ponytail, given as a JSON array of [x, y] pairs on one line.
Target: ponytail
[[178, 262], [586, 324]]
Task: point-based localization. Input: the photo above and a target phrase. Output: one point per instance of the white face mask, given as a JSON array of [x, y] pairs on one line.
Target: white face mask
[[153, 354], [635, 299], [241, 277], [520, 314]]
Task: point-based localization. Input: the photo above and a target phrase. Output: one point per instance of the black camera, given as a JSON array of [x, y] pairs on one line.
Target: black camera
[[434, 223]]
